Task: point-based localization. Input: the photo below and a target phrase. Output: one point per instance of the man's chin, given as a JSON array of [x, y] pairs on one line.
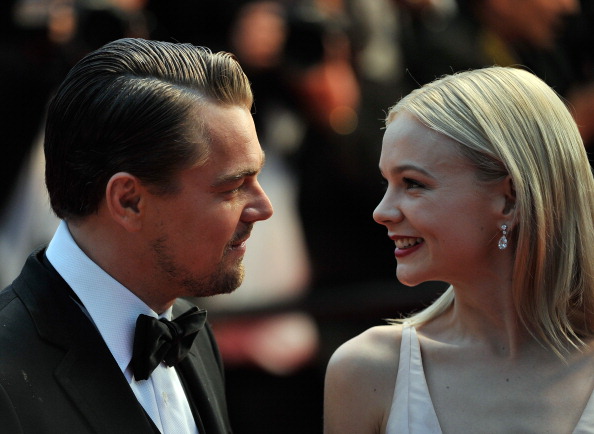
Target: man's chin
[[221, 282], [232, 281]]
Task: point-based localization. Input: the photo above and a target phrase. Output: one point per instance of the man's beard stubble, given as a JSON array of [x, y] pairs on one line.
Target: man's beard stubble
[[225, 279]]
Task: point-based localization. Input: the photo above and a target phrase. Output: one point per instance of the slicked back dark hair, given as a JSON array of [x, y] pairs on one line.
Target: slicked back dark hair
[[125, 107]]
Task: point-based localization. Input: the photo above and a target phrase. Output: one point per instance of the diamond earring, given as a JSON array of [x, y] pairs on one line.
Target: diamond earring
[[503, 240]]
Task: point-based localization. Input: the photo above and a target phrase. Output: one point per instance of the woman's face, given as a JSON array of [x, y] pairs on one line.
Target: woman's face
[[443, 220]]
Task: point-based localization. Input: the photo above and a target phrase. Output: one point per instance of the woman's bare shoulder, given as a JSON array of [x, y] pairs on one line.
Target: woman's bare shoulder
[[360, 381], [372, 349]]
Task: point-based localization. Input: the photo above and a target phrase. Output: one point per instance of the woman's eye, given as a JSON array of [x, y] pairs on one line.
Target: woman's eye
[[412, 184]]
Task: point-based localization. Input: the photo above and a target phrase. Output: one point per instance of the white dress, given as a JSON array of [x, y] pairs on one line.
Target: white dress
[[412, 410]]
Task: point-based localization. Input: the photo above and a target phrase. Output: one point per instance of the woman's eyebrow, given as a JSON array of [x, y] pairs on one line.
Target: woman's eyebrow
[[396, 170]]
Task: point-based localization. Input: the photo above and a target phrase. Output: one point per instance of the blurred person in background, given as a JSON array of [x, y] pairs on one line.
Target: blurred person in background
[[29, 71], [40, 42], [280, 266], [545, 36]]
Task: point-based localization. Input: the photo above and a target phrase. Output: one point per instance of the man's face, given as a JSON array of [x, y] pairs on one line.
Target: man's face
[[197, 236]]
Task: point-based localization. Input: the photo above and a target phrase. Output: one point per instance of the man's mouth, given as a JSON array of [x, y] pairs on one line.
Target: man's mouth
[[239, 244], [240, 240]]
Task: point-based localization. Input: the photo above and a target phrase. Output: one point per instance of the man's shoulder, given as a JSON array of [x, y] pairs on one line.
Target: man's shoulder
[[12, 309], [19, 308], [18, 336], [7, 295], [33, 271]]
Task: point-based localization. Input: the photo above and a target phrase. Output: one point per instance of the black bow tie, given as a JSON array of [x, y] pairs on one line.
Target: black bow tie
[[160, 340]]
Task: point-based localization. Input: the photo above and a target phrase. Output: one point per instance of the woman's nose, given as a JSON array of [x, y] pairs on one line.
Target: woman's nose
[[387, 211]]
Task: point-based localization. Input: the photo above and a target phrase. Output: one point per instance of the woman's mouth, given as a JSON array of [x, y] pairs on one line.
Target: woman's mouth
[[407, 246], [407, 243]]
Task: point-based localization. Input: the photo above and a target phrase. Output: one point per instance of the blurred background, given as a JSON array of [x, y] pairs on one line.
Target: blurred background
[[324, 73]]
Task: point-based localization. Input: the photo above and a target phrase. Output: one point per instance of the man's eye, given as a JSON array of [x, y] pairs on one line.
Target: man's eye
[[236, 189]]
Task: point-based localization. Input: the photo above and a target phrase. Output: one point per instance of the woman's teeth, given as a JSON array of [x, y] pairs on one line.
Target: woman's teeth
[[405, 243]]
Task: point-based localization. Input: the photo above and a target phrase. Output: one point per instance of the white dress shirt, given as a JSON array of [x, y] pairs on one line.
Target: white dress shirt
[[114, 310]]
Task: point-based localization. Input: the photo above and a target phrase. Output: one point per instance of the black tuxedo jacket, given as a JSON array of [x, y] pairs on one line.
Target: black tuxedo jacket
[[57, 375]]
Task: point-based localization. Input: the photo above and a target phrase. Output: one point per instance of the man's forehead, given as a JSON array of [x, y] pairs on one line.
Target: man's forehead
[[245, 169]]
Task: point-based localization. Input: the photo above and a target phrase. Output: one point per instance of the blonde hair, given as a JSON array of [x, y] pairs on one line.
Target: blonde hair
[[508, 121]]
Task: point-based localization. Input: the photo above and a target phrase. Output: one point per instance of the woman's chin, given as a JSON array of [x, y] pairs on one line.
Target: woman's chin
[[408, 278]]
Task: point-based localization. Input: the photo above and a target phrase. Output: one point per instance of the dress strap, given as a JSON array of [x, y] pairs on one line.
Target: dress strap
[[412, 411], [586, 422]]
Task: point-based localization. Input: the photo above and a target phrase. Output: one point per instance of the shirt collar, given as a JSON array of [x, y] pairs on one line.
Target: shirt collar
[[112, 307]]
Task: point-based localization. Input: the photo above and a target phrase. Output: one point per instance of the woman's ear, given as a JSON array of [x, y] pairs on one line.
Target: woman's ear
[[509, 191], [123, 195], [504, 203]]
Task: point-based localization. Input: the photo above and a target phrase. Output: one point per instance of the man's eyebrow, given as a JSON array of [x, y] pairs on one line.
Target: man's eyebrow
[[233, 177]]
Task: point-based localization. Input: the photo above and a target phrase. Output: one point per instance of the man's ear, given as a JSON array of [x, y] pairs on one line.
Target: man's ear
[[123, 195]]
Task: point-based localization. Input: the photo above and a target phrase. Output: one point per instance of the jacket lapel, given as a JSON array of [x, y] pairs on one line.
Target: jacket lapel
[[202, 376], [88, 373], [100, 391]]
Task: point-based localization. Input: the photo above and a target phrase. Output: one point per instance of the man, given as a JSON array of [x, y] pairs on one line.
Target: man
[[151, 163]]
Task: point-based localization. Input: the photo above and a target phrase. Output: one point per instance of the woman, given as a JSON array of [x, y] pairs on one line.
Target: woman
[[488, 189]]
